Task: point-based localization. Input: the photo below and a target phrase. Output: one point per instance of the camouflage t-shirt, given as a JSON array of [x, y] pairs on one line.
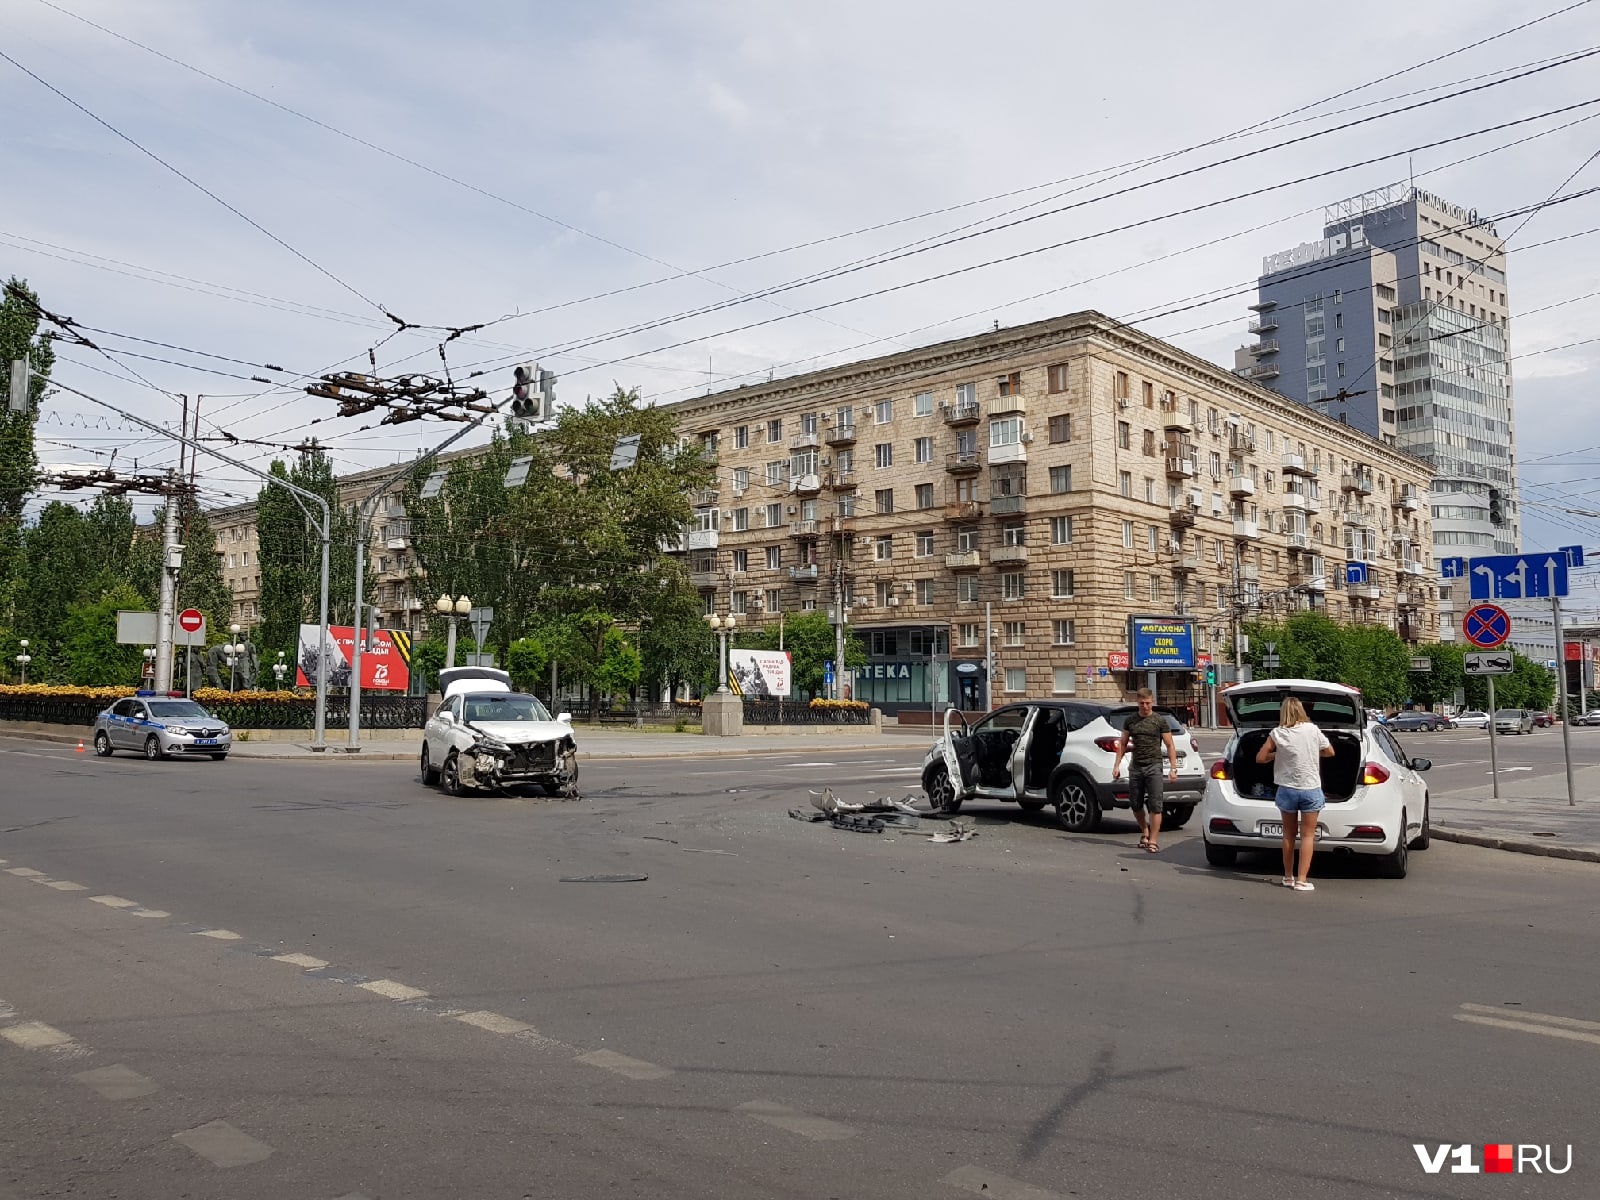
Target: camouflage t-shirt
[[1145, 736]]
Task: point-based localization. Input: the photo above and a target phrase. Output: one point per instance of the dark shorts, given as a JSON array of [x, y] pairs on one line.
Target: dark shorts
[[1145, 787]]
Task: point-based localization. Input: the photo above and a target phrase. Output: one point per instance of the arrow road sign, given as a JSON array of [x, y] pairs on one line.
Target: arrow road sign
[[1574, 555], [1519, 576], [1486, 626], [1493, 663], [1355, 573], [1452, 568]]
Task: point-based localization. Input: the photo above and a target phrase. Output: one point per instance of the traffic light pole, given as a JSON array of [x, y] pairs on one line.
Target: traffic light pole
[[1561, 680]]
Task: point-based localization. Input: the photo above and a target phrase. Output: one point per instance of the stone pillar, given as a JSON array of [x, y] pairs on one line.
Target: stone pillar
[[722, 715]]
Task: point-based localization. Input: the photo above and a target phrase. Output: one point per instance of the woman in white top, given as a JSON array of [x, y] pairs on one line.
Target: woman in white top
[[1293, 749]]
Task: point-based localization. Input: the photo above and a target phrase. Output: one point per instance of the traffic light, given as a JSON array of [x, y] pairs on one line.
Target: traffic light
[[1211, 676], [526, 397], [372, 626], [1497, 514]]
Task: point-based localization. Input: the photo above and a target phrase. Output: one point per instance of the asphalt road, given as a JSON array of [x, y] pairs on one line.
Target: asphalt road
[[302, 980]]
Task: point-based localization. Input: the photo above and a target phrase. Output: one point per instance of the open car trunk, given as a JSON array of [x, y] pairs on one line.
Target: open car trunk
[[1341, 774]]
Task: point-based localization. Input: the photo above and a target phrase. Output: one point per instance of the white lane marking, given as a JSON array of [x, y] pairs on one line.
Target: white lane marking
[[35, 1035], [25, 872], [899, 771], [392, 990], [631, 1068], [995, 1187], [818, 1129], [117, 1082], [811, 764], [1572, 1035], [494, 1022], [149, 912], [114, 901], [63, 885], [300, 960], [222, 1145], [1535, 1018], [1508, 770], [222, 935]]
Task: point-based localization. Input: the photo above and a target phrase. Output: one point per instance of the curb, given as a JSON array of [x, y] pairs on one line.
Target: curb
[[1514, 845]]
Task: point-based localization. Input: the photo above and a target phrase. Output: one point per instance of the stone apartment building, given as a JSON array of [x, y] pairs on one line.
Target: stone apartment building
[[990, 511]]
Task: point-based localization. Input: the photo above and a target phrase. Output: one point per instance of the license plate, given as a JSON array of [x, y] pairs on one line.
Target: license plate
[[205, 741], [1275, 829]]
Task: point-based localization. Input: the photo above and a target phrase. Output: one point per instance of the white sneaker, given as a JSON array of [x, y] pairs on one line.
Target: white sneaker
[[1288, 881], [1304, 885]]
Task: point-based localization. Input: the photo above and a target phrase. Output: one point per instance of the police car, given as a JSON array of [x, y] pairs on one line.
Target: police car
[[160, 726]]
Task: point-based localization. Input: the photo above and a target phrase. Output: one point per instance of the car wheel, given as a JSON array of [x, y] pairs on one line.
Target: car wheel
[[102, 744], [152, 747], [1394, 864], [450, 775], [1077, 807], [942, 796], [1032, 805], [1420, 842], [429, 775], [1221, 856], [1176, 816]]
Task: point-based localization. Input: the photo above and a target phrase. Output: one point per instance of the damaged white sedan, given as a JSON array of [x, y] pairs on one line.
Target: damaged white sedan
[[485, 737]]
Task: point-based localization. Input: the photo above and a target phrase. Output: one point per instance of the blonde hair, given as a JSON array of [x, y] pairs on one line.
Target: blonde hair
[[1292, 713]]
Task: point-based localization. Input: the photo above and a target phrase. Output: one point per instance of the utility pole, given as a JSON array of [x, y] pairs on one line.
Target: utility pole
[[988, 656], [1238, 603], [171, 563], [1561, 679], [838, 626]]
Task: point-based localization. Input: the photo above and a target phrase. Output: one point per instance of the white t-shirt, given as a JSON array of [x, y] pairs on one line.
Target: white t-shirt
[[1295, 762]]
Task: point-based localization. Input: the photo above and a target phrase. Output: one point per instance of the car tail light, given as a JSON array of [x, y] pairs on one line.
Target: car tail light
[[1371, 833], [1374, 773], [1223, 825], [1108, 744], [1219, 769]]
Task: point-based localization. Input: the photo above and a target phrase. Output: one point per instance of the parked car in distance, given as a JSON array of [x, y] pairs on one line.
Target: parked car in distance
[[1377, 800], [1472, 720], [1543, 720], [1592, 717], [159, 727], [1411, 722], [1513, 720]]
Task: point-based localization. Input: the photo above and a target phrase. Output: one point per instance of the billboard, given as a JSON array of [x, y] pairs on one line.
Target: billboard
[[759, 674], [1161, 644], [385, 662]]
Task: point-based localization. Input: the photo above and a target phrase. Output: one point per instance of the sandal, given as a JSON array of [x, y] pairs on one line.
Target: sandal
[[1304, 885], [1153, 848], [1144, 843]]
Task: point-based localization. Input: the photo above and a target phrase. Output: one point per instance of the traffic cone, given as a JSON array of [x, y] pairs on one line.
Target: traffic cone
[[80, 745]]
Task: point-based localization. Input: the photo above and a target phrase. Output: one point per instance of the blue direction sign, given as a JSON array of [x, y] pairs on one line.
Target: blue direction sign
[[1574, 555], [827, 672], [1486, 626], [1452, 568], [1355, 574], [1519, 576]]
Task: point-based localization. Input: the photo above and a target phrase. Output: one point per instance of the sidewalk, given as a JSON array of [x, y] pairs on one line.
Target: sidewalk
[[1530, 817]]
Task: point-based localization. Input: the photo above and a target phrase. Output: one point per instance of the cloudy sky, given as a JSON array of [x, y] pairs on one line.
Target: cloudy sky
[[579, 171]]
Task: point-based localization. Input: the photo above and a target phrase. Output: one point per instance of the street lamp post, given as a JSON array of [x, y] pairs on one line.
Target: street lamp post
[[24, 659], [233, 651], [722, 713], [454, 609], [279, 670], [722, 627]]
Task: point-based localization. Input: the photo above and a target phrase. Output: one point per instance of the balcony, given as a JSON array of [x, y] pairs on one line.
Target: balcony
[[1295, 464], [803, 529], [966, 560], [705, 580], [1246, 531], [841, 435], [1181, 516], [703, 498], [701, 539], [1408, 501], [808, 484], [1310, 578], [1014, 452], [957, 415], [1000, 505], [1186, 565], [1267, 370], [1178, 424], [963, 510], [1266, 323], [1007, 406], [1241, 441], [1364, 591], [805, 575], [1004, 555], [843, 523], [805, 441], [1408, 599], [1417, 567], [1250, 573], [963, 462], [1264, 347], [1241, 486], [396, 543], [842, 481], [1179, 467], [1298, 541], [1359, 482]]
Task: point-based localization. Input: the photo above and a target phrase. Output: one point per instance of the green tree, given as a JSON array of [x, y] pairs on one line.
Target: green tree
[[1439, 685], [617, 671], [19, 337], [527, 662], [91, 655], [427, 659], [1374, 659]]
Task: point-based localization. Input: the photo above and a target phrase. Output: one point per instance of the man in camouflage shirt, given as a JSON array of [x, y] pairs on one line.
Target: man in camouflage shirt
[[1147, 732]]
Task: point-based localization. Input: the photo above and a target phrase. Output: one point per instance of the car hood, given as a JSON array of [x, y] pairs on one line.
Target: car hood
[[515, 733]]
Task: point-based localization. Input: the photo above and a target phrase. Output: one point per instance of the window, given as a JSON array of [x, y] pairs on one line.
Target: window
[[1061, 428], [1005, 432], [741, 560], [1057, 377], [925, 544], [1216, 465], [883, 548], [922, 450], [1064, 633], [1125, 484], [740, 602], [775, 430], [1127, 535], [774, 600], [1148, 391], [741, 518], [922, 404], [808, 422], [1013, 533], [924, 495], [1127, 585], [1149, 490], [741, 479], [1060, 479], [924, 591], [1066, 680], [705, 519], [885, 499], [774, 557], [774, 515], [883, 454], [1149, 443], [741, 437], [884, 412], [969, 633], [966, 394], [1119, 385], [1060, 531], [1153, 537], [1012, 586], [968, 588], [776, 472], [967, 538], [1124, 435], [1061, 582], [1016, 679], [1155, 589], [1015, 633]]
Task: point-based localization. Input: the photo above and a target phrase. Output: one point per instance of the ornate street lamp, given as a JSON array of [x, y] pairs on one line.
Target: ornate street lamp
[[722, 627], [454, 609]]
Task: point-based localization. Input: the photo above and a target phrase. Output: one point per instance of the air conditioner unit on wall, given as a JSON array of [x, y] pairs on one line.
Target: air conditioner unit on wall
[[793, 510], [893, 602], [1027, 436], [1123, 402]]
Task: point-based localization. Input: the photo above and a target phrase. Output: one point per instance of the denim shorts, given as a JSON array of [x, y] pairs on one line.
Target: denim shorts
[[1145, 788], [1291, 800]]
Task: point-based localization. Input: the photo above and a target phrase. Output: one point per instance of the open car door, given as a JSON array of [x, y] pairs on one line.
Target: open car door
[[960, 759]]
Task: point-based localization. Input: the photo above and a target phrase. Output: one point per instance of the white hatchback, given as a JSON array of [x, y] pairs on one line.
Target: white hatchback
[[1377, 800]]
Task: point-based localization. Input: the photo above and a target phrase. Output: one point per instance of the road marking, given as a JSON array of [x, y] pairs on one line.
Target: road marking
[[811, 764], [35, 1035], [114, 901], [149, 912], [818, 1129], [995, 1187], [494, 1022], [632, 1068], [25, 872], [392, 990], [1569, 1028], [222, 935], [300, 960], [222, 1145], [63, 885], [899, 771], [117, 1083]]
